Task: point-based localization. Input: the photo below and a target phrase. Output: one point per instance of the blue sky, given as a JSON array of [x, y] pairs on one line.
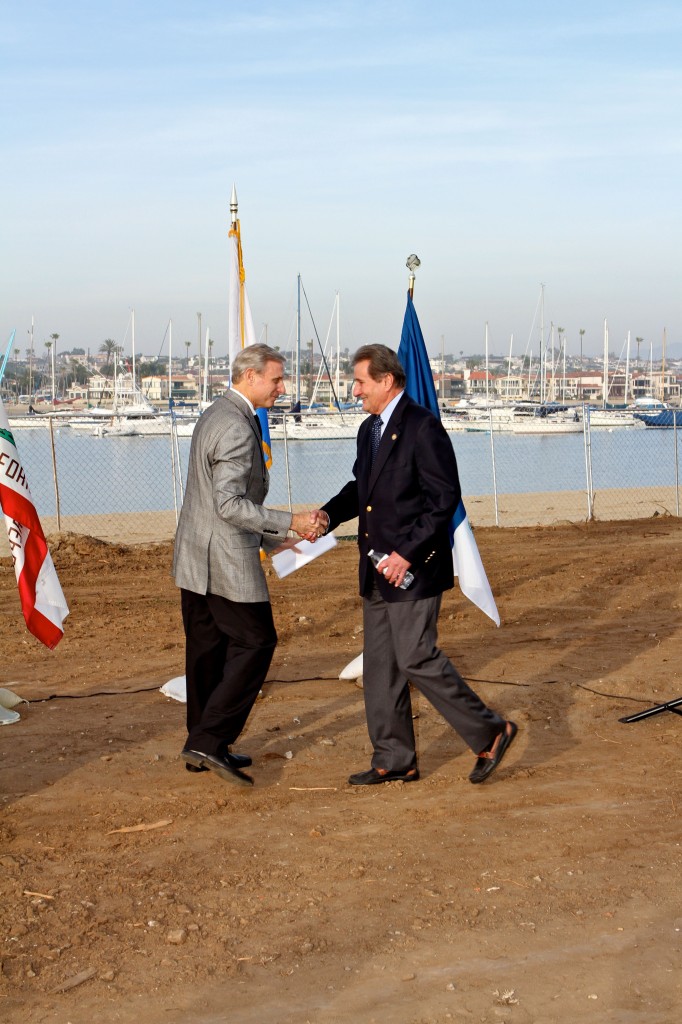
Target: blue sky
[[507, 144]]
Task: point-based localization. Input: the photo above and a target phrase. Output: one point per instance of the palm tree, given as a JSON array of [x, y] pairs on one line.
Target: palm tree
[[639, 342], [108, 346], [187, 346]]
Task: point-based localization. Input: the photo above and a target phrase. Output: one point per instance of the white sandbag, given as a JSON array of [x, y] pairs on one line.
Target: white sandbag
[[10, 699], [7, 717], [176, 688], [353, 670]]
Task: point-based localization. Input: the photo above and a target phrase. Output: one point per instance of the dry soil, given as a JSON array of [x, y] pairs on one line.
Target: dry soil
[[134, 891]]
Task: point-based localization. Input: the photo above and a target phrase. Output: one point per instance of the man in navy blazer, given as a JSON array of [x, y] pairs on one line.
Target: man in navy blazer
[[404, 491]]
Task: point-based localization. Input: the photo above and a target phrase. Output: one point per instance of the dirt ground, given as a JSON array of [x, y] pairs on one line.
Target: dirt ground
[[549, 894]]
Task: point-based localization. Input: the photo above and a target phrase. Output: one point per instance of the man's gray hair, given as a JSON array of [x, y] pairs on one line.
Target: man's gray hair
[[254, 357]]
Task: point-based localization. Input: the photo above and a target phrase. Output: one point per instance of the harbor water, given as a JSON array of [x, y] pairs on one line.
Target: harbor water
[[102, 475]]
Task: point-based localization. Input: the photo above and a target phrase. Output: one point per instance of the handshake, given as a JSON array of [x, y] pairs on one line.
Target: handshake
[[310, 525]]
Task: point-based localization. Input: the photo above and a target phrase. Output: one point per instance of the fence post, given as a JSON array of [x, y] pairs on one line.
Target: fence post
[[587, 440], [176, 467], [286, 459], [492, 455], [677, 466], [54, 475]]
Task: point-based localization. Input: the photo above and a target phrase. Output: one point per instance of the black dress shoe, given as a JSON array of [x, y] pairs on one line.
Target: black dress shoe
[[488, 761], [226, 766], [372, 777], [238, 760]]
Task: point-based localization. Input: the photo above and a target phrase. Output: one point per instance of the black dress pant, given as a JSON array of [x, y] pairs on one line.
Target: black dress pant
[[228, 650]]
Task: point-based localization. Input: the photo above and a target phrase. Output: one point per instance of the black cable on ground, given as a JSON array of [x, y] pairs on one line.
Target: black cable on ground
[[332, 679]]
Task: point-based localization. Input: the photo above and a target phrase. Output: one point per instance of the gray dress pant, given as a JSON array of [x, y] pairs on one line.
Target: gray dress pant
[[400, 644]]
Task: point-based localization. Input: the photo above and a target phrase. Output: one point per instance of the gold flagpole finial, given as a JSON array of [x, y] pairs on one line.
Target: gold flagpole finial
[[413, 262]]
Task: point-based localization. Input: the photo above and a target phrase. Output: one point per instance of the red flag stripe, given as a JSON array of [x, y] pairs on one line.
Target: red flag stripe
[[20, 509]]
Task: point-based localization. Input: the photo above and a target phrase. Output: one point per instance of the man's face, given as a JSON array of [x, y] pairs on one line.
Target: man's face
[[265, 388], [375, 394]]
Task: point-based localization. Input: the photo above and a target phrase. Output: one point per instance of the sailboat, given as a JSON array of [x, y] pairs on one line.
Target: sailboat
[[316, 422]]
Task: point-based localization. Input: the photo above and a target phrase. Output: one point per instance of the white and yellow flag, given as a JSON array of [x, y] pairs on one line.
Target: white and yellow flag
[[241, 330]]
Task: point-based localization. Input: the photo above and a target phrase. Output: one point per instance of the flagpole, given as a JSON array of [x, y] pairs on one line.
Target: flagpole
[[233, 328]]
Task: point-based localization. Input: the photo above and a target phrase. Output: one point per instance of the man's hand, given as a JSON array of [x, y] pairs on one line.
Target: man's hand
[[393, 568], [321, 520], [310, 525]]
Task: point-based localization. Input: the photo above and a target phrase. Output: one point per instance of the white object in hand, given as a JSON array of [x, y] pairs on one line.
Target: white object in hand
[[377, 557]]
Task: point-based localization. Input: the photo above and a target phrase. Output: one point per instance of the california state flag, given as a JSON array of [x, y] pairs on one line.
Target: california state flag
[[42, 600]]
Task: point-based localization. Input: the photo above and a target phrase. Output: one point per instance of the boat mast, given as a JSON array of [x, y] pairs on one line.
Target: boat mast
[[543, 358], [651, 368], [170, 363], [115, 402], [199, 325], [511, 344], [30, 363], [530, 363], [605, 385], [442, 367], [487, 397], [206, 371], [132, 341], [298, 343], [663, 366], [627, 370], [338, 342]]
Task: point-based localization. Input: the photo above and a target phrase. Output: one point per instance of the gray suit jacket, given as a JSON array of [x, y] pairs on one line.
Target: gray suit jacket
[[223, 522]]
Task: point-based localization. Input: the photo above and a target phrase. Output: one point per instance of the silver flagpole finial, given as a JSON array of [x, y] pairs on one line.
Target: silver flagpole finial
[[412, 263], [233, 205]]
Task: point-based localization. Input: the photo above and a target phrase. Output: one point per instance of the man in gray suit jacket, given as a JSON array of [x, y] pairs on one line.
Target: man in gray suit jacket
[[229, 629]]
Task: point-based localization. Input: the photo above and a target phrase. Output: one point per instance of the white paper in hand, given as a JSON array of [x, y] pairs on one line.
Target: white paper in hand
[[293, 559]]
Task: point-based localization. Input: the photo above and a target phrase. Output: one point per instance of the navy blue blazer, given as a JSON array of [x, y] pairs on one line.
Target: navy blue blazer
[[405, 502]]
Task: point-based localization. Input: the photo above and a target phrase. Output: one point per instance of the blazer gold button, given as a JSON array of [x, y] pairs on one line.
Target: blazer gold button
[[369, 508], [366, 535], [394, 437]]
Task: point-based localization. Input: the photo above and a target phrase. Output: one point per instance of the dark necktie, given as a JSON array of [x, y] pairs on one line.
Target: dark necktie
[[258, 427], [375, 437]]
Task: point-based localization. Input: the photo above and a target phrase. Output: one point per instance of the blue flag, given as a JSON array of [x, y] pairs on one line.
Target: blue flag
[[466, 559], [415, 362]]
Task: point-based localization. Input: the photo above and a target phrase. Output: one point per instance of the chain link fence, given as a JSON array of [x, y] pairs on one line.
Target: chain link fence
[[128, 488]]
